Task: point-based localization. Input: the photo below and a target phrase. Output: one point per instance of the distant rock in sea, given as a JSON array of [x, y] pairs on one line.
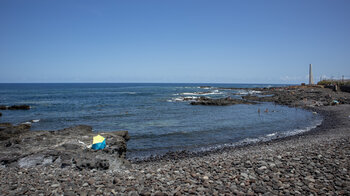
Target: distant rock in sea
[[219, 102], [15, 107]]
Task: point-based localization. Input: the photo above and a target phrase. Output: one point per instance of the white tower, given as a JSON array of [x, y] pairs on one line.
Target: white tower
[[311, 79]]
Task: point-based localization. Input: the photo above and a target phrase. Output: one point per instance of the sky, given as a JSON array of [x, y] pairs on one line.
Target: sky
[[174, 41]]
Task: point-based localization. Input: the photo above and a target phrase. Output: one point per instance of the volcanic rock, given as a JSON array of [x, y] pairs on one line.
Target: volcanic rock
[[219, 102], [69, 147], [301, 96], [15, 107]]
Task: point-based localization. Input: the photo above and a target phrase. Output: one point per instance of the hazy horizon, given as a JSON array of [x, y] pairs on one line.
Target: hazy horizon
[[140, 83], [269, 42]]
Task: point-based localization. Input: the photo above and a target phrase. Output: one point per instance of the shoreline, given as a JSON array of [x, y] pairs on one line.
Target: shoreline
[[323, 145], [316, 162], [328, 121]]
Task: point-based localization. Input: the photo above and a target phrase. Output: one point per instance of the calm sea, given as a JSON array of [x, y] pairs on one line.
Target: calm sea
[[157, 118]]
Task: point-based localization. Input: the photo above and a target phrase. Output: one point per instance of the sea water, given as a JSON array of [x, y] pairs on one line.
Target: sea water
[[156, 116]]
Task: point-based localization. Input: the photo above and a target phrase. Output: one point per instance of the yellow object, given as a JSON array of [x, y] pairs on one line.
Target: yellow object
[[98, 139]]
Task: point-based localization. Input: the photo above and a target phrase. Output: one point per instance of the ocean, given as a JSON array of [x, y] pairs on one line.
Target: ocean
[[157, 116]]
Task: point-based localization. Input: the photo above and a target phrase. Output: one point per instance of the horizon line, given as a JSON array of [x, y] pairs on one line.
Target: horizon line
[[140, 83]]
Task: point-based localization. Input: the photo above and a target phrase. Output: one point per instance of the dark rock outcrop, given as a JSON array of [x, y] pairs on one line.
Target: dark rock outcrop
[[19, 107], [15, 107], [70, 147], [301, 96], [7, 130], [219, 102], [345, 88]]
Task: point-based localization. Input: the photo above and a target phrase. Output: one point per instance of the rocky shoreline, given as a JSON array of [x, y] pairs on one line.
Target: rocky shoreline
[[313, 163], [70, 147]]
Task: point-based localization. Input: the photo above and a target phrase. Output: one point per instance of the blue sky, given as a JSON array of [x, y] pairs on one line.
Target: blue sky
[[243, 41]]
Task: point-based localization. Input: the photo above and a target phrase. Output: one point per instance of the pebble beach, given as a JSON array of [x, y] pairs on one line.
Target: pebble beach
[[313, 163]]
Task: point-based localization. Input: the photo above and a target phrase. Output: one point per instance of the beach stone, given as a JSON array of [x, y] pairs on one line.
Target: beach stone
[[262, 163], [133, 193], [309, 178], [259, 189], [233, 187], [244, 175], [272, 165], [55, 185], [262, 168]]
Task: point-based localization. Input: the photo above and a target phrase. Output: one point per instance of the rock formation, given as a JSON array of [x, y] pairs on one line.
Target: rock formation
[[15, 107], [70, 147], [219, 102]]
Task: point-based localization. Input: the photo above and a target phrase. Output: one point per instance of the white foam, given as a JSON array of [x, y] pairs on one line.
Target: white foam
[[271, 134], [179, 99], [189, 93], [182, 87], [35, 121], [255, 92], [215, 92], [248, 92], [26, 123], [250, 140], [182, 99], [127, 92]]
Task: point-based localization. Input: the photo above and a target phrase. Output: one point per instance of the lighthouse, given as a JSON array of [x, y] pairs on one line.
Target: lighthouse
[[311, 79]]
